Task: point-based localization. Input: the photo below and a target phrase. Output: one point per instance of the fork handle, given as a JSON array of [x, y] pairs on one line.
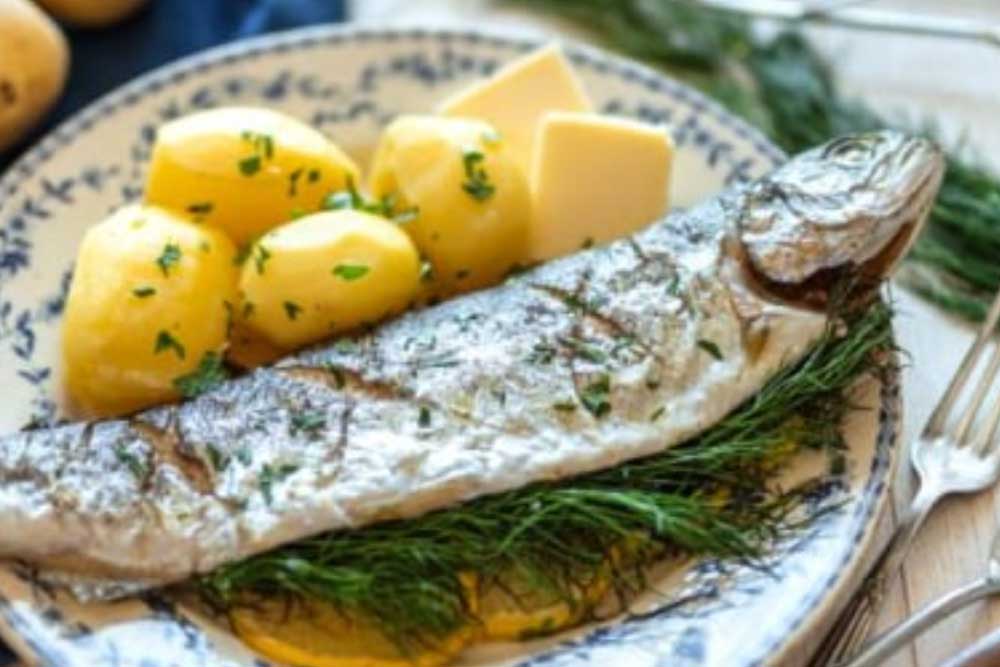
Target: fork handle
[[881, 648], [855, 619]]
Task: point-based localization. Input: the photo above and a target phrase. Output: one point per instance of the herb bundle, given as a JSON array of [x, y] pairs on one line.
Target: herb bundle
[[706, 497], [784, 86]]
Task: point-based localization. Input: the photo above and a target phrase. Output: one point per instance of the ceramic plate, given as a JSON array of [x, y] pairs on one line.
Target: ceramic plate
[[349, 82]]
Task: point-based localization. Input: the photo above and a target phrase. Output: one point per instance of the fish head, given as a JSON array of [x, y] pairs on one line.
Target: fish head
[[850, 208]]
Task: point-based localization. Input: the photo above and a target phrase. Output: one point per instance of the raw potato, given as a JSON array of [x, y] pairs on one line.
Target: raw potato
[[149, 299], [325, 274], [34, 60], [244, 170], [91, 13], [470, 198]]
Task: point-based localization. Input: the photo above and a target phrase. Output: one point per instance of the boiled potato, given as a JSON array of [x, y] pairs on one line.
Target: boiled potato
[[91, 13], [469, 199], [34, 60], [244, 170], [151, 296], [327, 273]]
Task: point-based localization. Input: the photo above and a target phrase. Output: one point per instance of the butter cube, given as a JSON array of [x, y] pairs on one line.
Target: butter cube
[[516, 97], [594, 179]]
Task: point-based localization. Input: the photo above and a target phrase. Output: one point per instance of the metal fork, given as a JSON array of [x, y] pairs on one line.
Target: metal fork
[[947, 461], [880, 649]]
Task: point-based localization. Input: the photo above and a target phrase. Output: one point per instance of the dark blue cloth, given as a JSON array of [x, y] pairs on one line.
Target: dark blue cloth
[[165, 31]]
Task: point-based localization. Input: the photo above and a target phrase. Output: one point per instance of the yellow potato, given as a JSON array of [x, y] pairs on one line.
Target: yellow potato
[[91, 13], [244, 170], [471, 204], [149, 299], [327, 273], [34, 60]]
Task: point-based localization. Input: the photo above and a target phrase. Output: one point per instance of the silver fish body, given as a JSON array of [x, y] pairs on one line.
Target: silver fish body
[[611, 354]]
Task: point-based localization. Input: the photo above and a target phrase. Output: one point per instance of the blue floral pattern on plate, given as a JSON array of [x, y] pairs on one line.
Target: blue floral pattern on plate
[[349, 82]]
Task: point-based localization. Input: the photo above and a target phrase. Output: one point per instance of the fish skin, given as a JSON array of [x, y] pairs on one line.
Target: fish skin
[[481, 394]]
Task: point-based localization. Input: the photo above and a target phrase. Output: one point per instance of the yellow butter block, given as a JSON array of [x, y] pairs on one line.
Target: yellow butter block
[[594, 179], [516, 97]]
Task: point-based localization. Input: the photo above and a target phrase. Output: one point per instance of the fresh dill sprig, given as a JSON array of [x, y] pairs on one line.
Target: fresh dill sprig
[[784, 86], [408, 575]]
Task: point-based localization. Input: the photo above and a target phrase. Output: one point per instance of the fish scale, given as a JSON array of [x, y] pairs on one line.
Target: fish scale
[[611, 354]]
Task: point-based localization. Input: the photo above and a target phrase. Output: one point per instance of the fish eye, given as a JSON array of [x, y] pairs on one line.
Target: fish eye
[[853, 149]]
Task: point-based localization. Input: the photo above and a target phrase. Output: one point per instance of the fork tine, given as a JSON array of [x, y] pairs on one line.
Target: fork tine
[[935, 424], [978, 397]]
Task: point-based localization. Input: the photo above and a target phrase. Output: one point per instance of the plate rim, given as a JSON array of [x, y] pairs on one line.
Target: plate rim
[[876, 487]]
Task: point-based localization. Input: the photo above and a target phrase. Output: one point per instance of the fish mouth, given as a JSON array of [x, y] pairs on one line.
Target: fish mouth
[[887, 234], [850, 281]]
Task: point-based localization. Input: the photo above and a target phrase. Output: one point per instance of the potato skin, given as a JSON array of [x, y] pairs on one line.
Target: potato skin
[[91, 13], [128, 289], [325, 274], [34, 61], [244, 170], [470, 242]]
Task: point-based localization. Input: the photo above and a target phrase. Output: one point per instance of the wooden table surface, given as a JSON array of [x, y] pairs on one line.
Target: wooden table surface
[[958, 84]]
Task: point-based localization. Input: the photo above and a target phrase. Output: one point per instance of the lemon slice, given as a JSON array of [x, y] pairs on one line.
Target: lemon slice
[[314, 634], [517, 609]]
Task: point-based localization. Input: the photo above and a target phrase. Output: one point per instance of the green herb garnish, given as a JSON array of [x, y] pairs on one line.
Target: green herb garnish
[[262, 146], [424, 419], [249, 166], [584, 350], [211, 371], [308, 422], [244, 456], [385, 207], [165, 341], [170, 256], [261, 255], [201, 209], [293, 182], [269, 475], [217, 458], [350, 271], [477, 181], [138, 468], [710, 347], [292, 309], [596, 396], [144, 292]]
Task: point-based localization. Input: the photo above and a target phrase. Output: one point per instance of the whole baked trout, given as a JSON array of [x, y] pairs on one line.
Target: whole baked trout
[[614, 353]]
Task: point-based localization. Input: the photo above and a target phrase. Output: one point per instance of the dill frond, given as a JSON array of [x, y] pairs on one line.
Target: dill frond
[[408, 574]]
